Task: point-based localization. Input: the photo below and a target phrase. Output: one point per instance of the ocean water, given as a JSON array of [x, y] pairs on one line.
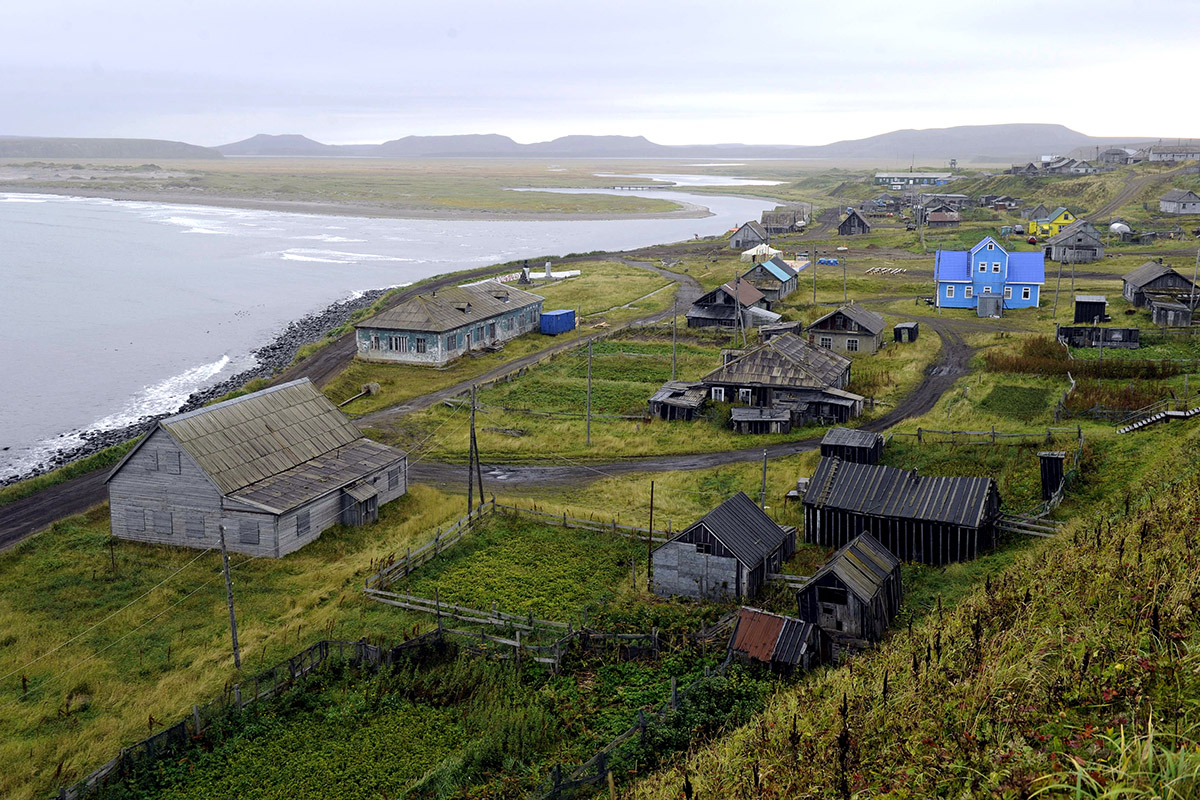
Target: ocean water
[[111, 311]]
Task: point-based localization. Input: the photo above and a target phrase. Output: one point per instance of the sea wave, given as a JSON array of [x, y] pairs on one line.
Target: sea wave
[[336, 256]]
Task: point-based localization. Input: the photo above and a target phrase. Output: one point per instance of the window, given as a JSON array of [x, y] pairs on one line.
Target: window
[[852, 345], [399, 343], [164, 523], [195, 526], [826, 342], [135, 520], [374, 341], [718, 394], [394, 478], [170, 459], [420, 345], [1008, 293], [452, 341], [152, 460], [949, 291], [248, 531], [991, 246], [303, 523], [987, 290], [1025, 293], [983, 266], [704, 548], [995, 266], [744, 395], [968, 291], [832, 595]]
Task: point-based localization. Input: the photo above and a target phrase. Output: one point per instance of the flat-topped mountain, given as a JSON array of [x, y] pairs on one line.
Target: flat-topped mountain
[[52, 147]]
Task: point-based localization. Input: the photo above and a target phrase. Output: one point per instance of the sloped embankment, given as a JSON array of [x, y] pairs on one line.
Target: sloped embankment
[[1073, 665]]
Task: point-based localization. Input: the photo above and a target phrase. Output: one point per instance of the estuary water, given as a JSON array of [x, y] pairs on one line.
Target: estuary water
[[113, 311]]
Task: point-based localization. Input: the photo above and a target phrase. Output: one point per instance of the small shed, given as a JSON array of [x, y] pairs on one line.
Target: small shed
[[854, 224], [855, 596], [558, 321], [1052, 472], [1095, 336], [1153, 277], [906, 332], [990, 305], [1090, 308], [1169, 311], [726, 553], [783, 643], [678, 400], [751, 419], [852, 446]]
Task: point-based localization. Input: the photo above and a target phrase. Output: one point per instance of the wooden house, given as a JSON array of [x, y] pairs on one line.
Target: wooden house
[[721, 307], [1179, 201], [988, 278], [768, 332], [906, 332], [785, 644], [916, 517], [852, 445], [1090, 308], [788, 373], [273, 469], [1153, 277], [784, 219], [1116, 155], [1169, 311], [728, 553], [899, 180], [1028, 168], [943, 219], [1039, 212], [1052, 223], [854, 224], [775, 278], [748, 235], [678, 400], [854, 597], [1184, 152], [849, 329], [439, 326], [1077, 243]]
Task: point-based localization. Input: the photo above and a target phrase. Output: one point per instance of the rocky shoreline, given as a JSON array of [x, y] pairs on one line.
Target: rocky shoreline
[[272, 357]]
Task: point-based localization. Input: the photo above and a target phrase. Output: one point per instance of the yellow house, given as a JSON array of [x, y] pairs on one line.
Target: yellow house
[[1052, 225]]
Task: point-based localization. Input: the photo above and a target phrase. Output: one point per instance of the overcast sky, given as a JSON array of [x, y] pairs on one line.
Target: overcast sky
[[787, 72]]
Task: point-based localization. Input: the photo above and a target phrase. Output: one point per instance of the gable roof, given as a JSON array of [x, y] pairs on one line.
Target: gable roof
[[863, 565], [754, 227], [1069, 232], [786, 360], [742, 527], [744, 292], [1023, 267], [768, 637], [780, 268], [1148, 273], [876, 490], [247, 439], [451, 307], [850, 437], [869, 320], [855, 213], [1180, 196]]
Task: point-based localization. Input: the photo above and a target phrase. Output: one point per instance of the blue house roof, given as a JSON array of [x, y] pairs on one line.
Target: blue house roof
[[954, 265], [1027, 267], [951, 265], [779, 270]]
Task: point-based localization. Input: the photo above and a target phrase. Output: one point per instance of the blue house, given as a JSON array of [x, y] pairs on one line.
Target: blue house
[[989, 278]]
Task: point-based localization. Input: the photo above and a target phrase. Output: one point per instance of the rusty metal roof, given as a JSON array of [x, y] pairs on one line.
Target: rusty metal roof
[[880, 491], [452, 307], [768, 637]]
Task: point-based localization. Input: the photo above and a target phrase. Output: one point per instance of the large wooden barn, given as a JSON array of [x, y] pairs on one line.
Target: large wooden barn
[[919, 518], [855, 596], [728, 553], [274, 469], [1153, 278], [438, 327]]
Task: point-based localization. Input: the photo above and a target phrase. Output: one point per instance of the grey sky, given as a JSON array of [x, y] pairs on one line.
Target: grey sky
[[791, 72]]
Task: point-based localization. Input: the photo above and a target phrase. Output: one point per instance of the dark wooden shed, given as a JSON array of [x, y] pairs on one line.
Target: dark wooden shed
[[678, 400], [855, 596], [783, 643], [1090, 308], [920, 518], [727, 553], [906, 332], [851, 445], [1153, 277], [1169, 311], [854, 224]]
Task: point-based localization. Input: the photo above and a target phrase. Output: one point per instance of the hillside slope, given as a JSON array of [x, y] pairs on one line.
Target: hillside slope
[[1074, 663], [38, 147]]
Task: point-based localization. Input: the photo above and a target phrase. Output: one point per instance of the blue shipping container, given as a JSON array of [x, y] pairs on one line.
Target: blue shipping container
[[560, 321]]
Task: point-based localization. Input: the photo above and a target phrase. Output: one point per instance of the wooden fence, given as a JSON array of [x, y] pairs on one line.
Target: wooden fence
[[268, 683], [993, 436]]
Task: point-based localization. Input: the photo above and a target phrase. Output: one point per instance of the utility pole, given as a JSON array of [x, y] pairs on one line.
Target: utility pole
[[1057, 286], [475, 450], [650, 538], [471, 460], [814, 269], [237, 654], [1195, 275], [674, 333], [589, 397], [762, 497], [844, 260]]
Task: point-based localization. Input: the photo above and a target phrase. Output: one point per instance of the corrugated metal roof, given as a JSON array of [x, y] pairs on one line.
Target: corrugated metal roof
[[744, 528], [315, 477], [868, 320], [451, 307], [863, 566], [756, 633], [793, 641], [1180, 196], [787, 361], [1147, 273], [850, 437], [877, 490], [1091, 298]]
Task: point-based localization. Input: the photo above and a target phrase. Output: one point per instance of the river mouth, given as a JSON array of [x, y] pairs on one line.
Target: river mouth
[[153, 301]]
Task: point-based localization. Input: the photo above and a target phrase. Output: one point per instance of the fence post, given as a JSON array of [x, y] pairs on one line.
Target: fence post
[[918, 436], [237, 694], [196, 719], [674, 695]]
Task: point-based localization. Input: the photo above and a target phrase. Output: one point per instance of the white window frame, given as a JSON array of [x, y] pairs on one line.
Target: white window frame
[[374, 341], [991, 246], [949, 291], [983, 266], [1025, 293], [852, 345], [996, 266], [745, 395], [826, 342], [718, 394], [968, 292], [1008, 293]]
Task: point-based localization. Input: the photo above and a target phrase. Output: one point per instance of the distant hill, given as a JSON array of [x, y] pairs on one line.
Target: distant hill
[[1011, 142], [45, 147]]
